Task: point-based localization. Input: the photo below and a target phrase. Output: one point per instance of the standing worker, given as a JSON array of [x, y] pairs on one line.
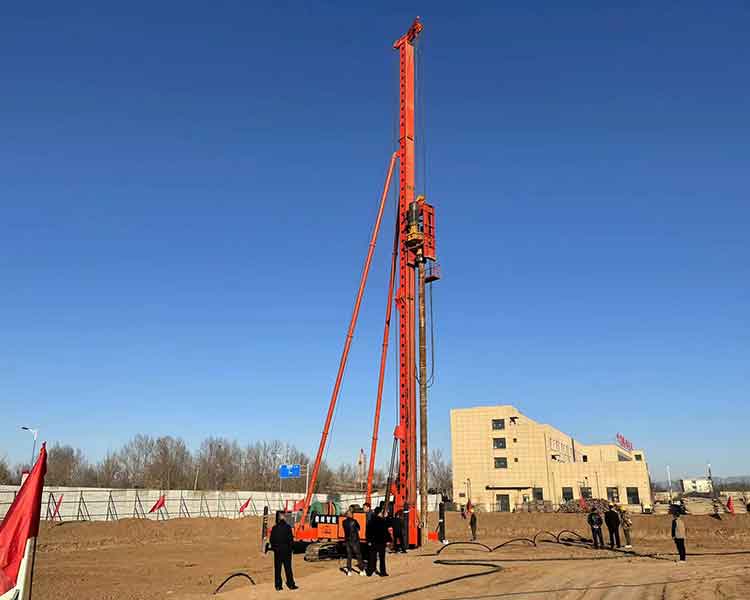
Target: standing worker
[[627, 525], [678, 534], [351, 535], [377, 537], [612, 520], [282, 541], [472, 520], [396, 524], [595, 522]]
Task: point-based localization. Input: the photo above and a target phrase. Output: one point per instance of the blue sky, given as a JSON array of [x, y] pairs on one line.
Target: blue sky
[[187, 189]]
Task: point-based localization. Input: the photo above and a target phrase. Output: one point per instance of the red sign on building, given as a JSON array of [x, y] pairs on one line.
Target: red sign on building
[[625, 443]]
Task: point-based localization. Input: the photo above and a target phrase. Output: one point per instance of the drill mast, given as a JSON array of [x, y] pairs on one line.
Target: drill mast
[[413, 245], [406, 482]]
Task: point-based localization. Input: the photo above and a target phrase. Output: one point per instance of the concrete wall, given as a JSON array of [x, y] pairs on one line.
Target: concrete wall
[[98, 504]]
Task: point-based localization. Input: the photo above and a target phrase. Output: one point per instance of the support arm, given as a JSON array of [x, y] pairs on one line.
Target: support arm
[[348, 342]]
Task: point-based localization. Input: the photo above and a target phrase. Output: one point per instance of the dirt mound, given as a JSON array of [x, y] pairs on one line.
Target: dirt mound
[[136, 559], [645, 527], [138, 532]]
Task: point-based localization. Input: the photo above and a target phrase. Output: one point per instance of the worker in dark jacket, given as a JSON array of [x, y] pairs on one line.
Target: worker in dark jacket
[[396, 523], [282, 541], [595, 522], [351, 538], [679, 534], [377, 536], [612, 519]]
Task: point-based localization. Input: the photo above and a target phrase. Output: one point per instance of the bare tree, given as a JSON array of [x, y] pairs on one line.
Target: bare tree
[[136, 457], [5, 474], [219, 464], [65, 466], [111, 471], [440, 473], [167, 463], [170, 464]]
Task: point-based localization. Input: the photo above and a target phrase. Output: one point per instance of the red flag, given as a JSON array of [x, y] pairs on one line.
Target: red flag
[[20, 528], [57, 508], [244, 506], [299, 505], [159, 503], [730, 505], [582, 503]]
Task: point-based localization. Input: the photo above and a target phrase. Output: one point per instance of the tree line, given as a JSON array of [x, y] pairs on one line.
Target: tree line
[[167, 463]]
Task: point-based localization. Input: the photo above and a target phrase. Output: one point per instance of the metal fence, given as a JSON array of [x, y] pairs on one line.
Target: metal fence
[[96, 504]]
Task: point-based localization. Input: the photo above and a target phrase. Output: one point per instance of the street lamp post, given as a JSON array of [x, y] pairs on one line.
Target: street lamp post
[[33, 448]]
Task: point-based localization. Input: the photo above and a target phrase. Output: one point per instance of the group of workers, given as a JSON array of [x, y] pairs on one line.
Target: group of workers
[[614, 518], [380, 530]]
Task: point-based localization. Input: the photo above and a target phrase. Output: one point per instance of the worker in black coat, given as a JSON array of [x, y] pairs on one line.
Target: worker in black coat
[[595, 522], [351, 539], [282, 542], [612, 521], [378, 537], [396, 523]]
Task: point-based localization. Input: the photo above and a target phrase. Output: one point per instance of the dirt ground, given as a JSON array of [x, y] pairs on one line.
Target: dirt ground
[[186, 559]]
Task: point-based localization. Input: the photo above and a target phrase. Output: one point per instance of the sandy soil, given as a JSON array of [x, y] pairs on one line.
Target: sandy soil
[[186, 559]]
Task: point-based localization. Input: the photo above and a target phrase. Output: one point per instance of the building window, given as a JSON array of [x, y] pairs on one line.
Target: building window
[[567, 494], [633, 497], [586, 493], [515, 440], [502, 502], [623, 458], [498, 443], [538, 494], [613, 494], [515, 459], [585, 458], [498, 424], [501, 462], [638, 457]]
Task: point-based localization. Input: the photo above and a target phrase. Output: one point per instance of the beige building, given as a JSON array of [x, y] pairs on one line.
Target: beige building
[[503, 459]]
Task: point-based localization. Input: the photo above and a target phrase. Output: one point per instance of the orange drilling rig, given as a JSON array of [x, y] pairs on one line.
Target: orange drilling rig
[[413, 264]]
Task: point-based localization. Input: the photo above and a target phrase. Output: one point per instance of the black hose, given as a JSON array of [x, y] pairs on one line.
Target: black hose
[[578, 535], [493, 567], [554, 536], [466, 543], [232, 576], [490, 564], [530, 541]]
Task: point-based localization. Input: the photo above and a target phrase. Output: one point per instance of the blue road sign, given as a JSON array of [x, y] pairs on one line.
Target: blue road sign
[[289, 471]]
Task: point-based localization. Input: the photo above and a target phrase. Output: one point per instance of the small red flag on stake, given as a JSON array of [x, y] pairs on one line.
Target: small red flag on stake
[[299, 505], [245, 505], [730, 505], [159, 503], [18, 533]]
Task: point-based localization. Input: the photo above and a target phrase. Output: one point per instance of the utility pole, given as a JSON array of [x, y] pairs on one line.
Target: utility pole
[[669, 483]]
